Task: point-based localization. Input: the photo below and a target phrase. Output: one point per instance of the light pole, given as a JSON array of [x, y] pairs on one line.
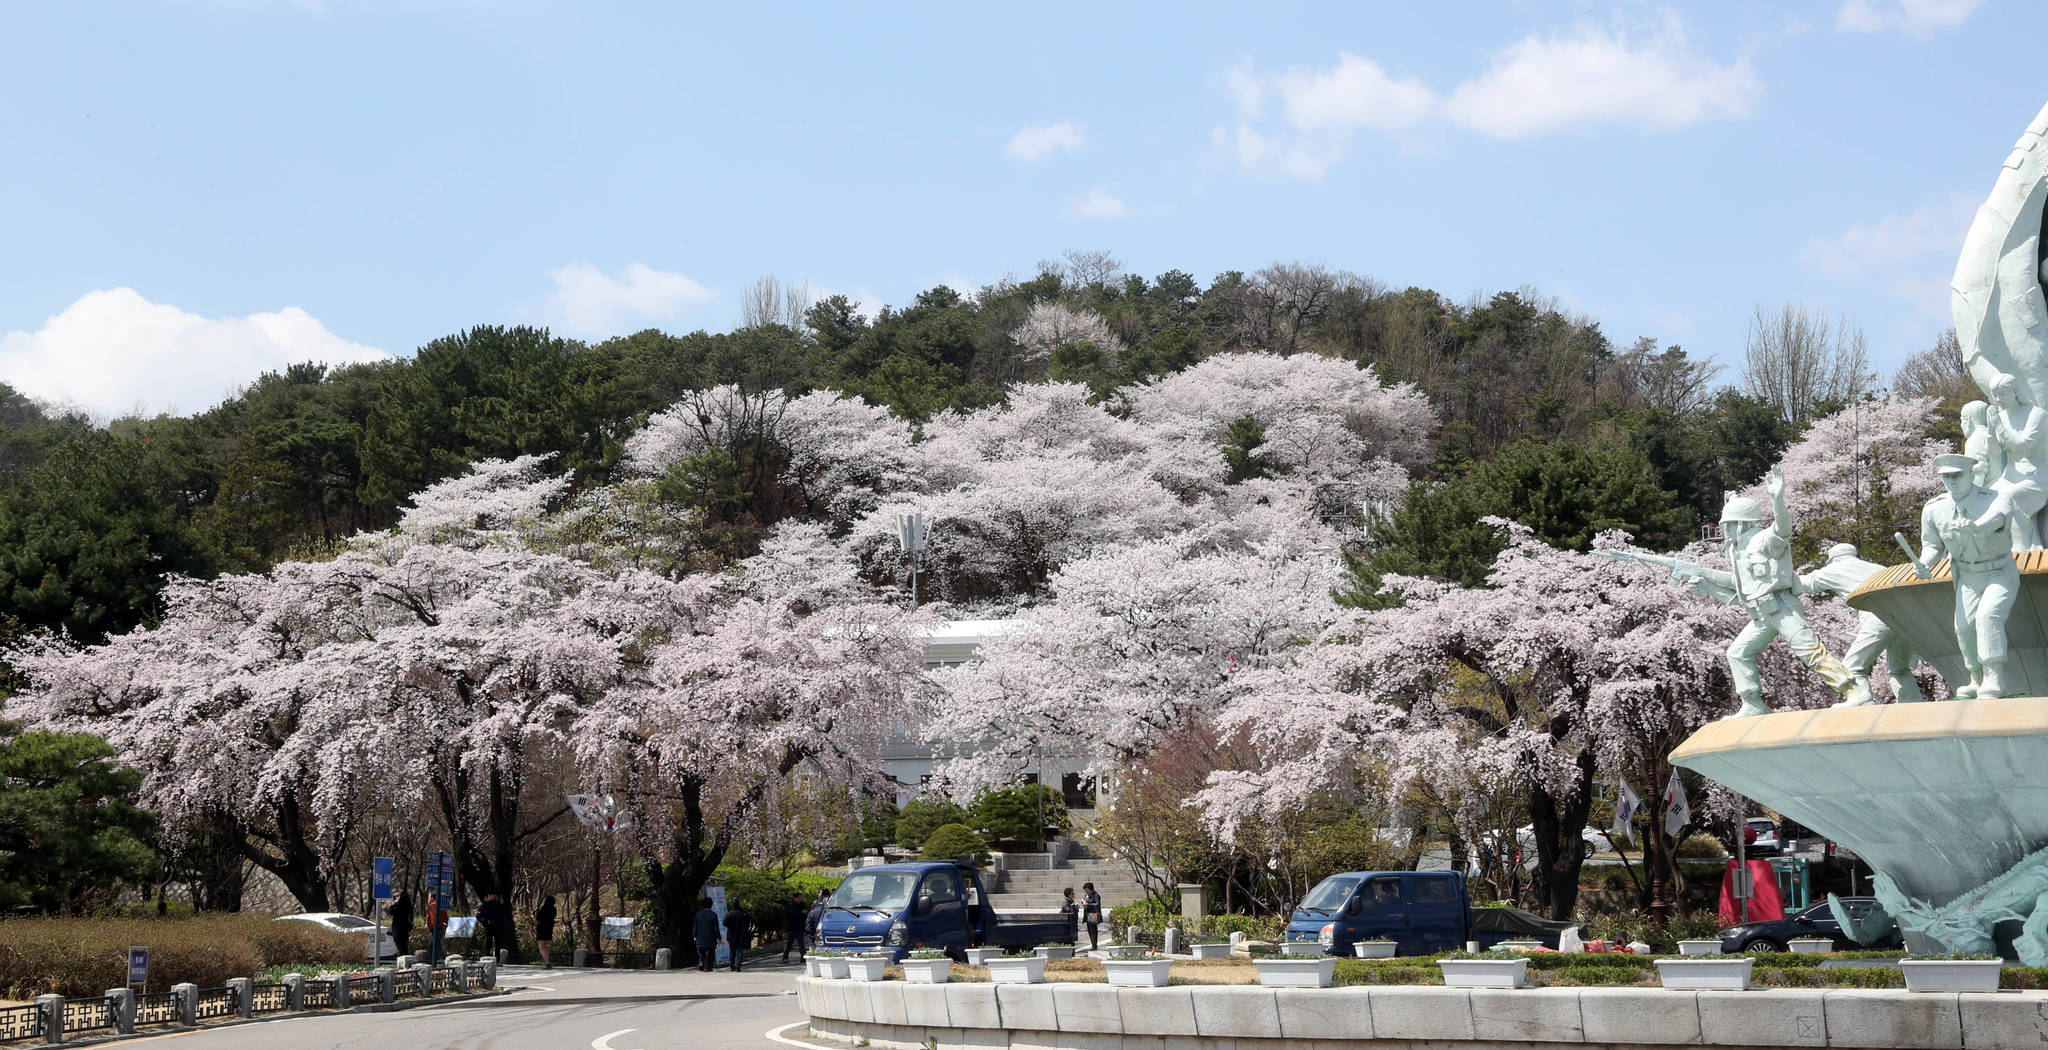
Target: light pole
[[910, 533]]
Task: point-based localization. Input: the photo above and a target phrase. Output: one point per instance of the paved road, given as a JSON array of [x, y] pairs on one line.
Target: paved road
[[553, 1010]]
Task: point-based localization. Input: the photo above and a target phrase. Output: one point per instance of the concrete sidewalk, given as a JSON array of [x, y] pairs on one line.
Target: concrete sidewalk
[[532, 985]]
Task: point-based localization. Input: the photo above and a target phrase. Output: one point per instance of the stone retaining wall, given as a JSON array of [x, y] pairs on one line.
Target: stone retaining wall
[[893, 1014]]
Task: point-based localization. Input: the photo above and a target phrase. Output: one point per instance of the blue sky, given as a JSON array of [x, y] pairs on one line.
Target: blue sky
[[196, 190]]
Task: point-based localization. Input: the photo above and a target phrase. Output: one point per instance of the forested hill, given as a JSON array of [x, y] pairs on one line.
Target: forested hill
[[92, 518]]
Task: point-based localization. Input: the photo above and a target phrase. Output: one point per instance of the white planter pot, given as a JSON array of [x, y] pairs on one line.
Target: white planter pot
[[981, 956], [1527, 946], [1484, 973], [1302, 948], [1054, 951], [1016, 969], [1699, 947], [832, 967], [866, 969], [927, 971], [1297, 973], [1811, 945], [1211, 951], [1714, 975], [1374, 949], [811, 966], [1137, 973], [1951, 975]]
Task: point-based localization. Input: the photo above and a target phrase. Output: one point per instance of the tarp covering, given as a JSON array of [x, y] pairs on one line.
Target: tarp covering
[[1763, 902], [1514, 920]]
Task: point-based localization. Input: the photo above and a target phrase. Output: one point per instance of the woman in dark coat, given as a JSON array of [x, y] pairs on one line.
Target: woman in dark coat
[[544, 928]]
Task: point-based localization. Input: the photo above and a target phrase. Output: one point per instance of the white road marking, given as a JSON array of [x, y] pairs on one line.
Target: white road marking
[[776, 1035], [604, 1042]]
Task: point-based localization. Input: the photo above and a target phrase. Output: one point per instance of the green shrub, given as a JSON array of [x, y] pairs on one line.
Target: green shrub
[[1024, 813], [83, 957], [764, 892], [919, 817], [1151, 915], [1256, 927], [956, 842], [1701, 846]]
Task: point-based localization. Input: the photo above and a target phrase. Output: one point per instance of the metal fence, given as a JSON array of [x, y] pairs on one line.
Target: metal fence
[[269, 997], [318, 994], [218, 1002], [440, 982], [366, 989], [88, 1015], [21, 1022], [407, 984], [156, 1008]]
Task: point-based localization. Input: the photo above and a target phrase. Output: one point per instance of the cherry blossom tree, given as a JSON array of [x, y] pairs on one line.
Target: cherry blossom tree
[[1861, 473], [1050, 326]]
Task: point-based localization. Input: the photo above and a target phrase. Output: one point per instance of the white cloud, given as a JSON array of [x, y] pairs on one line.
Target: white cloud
[[113, 352], [1097, 203], [589, 303], [1916, 18], [1036, 144], [1300, 123], [1933, 232]]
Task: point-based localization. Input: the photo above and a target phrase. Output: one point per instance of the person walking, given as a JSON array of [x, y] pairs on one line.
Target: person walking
[[739, 931], [795, 920], [705, 930], [1091, 913], [544, 930], [814, 922], [1070, 913], [401, 921], [494, 922]]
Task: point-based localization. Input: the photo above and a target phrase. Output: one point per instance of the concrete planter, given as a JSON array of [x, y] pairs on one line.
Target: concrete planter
[[1211, 951], [1811, 945], [1016, 969], [1699, 947], [1374, 949], [1484, 973], [1706, 975], [813, 966], [927, 971], [863, 968], [1054, 951], [1137, 973], [1297, 973], [1302, 948], [832, 967], [981, 956], [1526, 946], [1951, 975]]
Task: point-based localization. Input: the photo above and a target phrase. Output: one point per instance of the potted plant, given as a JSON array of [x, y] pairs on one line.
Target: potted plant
[[1015, 969], [1215, 950], [1284, 971], [869, 966], [1710, 973], [1519, 946], [831, 962], [1302, 948], [1136, 968], [1468, 972], [1699, 947], [981, 956], [1952, 973], [1377, 948], [1810, 945], [927, 966], [1054, 951]]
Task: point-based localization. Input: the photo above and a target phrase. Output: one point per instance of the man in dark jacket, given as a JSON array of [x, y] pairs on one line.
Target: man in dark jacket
[[739, 930], [705, 929], [401, 922], [494, 923], [795, 920], [815, 921]]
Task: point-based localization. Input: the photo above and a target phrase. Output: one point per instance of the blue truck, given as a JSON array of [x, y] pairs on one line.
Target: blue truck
[[926, 904], [1422, 912]]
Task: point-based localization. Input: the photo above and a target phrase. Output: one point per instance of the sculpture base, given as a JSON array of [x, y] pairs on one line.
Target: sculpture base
[[1941, 797]]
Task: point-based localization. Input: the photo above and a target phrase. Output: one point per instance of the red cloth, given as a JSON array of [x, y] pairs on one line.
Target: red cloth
[[1764, 902]]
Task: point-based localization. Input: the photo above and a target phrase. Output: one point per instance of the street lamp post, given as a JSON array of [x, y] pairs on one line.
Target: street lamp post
[[910, 533]]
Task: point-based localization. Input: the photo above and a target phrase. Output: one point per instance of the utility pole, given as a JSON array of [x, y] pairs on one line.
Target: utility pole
[[910, 533]]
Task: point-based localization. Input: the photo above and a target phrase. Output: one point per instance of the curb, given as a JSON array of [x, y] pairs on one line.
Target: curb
[[583, 1000], [371, 1008]]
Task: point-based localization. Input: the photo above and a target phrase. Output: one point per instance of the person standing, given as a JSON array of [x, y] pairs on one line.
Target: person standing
[[1070, 913], [815, 920], [795, 918], [705, 931], [544, 929], [1091, 913], [401, 921], [494, 917], [739, 929]]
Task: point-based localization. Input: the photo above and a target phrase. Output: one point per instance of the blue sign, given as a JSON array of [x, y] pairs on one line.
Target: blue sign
[[447, 881], [380, 883], [138, 965]]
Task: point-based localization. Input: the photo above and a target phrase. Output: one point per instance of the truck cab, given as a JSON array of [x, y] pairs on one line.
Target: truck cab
[[1420, 911], [923, 904]]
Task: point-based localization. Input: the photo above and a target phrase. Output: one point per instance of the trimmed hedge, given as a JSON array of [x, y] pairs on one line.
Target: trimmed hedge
[[84, 957]]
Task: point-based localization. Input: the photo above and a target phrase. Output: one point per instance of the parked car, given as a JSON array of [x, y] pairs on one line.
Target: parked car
[[350, 924], [1818, 920], [1591, 841], [1762, 836], [1420, 911], [926, 904]]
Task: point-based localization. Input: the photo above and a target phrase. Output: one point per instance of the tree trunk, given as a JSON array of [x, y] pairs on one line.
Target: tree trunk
[[1558, 825], [291, 857]]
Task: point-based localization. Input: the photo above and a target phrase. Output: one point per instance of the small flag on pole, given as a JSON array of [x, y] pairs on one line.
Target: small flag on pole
[[1626, 806], [1677, 811]]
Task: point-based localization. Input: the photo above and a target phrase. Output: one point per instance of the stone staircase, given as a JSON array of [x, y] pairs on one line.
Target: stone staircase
[[1037, 890]]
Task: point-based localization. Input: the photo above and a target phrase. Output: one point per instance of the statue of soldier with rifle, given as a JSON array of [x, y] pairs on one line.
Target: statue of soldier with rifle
[[1761, 579]]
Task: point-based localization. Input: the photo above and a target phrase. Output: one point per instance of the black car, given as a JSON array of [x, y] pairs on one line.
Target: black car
[[1818, 920]]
